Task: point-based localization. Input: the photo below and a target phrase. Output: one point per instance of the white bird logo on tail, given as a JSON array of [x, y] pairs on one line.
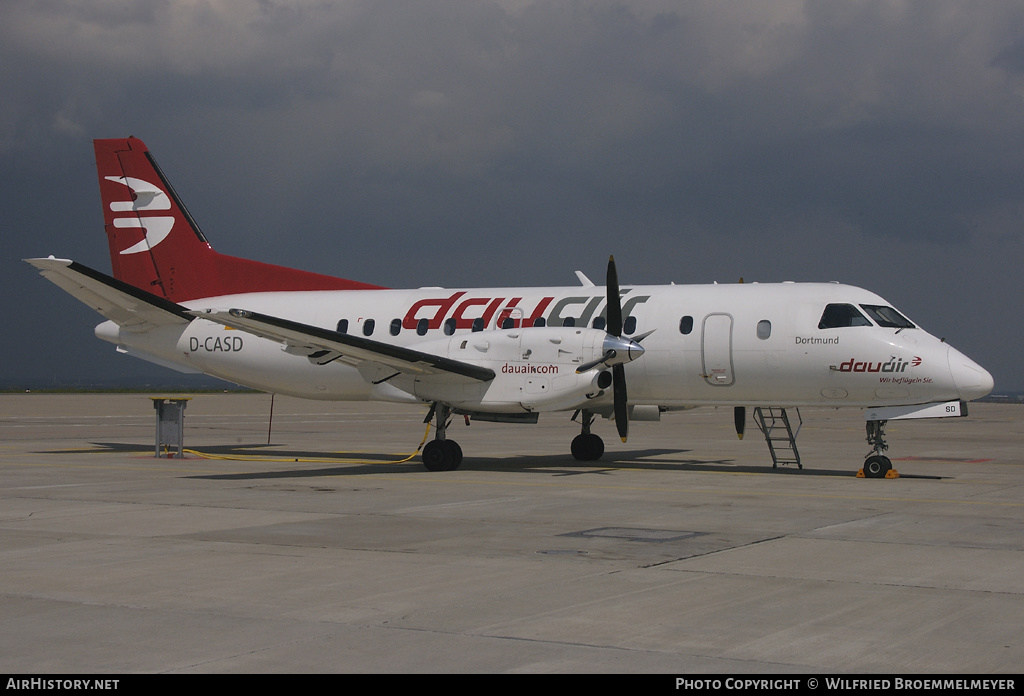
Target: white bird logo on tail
[[145, 197]]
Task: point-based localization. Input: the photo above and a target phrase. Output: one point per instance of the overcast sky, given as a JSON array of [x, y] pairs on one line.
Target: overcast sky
[[410, 143]]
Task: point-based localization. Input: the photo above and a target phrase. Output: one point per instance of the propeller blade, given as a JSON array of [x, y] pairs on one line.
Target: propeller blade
[[614, 310], [739, 417], [621, 409], [594, 363]]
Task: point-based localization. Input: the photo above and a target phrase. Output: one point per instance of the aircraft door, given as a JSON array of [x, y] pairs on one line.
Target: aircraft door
[[716, 350]]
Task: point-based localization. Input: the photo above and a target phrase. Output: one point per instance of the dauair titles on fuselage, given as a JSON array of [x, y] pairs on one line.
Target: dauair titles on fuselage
[[464, 311], [894, 364]]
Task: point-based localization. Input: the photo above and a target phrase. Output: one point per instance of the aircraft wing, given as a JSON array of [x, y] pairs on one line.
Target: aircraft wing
[[323, 345], [127, 306]]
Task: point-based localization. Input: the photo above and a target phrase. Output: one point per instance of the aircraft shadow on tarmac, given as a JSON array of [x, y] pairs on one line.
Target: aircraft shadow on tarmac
[[362, 463], [239, 452]]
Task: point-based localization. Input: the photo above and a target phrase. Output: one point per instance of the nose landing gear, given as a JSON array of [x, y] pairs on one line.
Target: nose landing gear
[[877, 465]]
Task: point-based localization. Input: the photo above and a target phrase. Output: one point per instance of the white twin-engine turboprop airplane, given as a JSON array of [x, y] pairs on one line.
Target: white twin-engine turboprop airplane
[[504, 354]]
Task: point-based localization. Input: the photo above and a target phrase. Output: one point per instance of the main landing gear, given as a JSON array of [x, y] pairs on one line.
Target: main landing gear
[[440, 454], [586, 447], [877, 465]]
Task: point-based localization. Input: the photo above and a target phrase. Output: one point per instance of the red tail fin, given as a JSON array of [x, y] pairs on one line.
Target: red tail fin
[[156, 246]]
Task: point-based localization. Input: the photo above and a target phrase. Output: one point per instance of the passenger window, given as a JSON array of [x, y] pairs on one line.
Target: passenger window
[[569, 321], [837, 316], [343, 326], [368, 327], [540, 321], [449, 327], [686, 325], [887, 317], [478, 324], [629, 326], [508, 323], [422, 325], [600, 323], [396, 326], [764, 329]]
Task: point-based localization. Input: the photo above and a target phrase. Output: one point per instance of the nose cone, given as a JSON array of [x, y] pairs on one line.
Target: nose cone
[[971, 379]]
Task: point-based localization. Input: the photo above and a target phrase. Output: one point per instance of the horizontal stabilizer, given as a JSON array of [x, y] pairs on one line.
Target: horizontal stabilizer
[[127, 306], [313, 341]]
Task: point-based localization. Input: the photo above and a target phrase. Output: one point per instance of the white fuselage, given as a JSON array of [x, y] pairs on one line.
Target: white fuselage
[[743, 344]]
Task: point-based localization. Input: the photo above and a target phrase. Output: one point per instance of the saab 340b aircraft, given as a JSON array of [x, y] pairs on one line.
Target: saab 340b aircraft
[[504, 354]]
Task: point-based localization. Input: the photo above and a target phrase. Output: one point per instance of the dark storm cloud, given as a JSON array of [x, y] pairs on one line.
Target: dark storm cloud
[[413, 143]]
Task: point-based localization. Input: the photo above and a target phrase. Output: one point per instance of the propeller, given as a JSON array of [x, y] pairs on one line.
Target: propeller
[[617, 351]]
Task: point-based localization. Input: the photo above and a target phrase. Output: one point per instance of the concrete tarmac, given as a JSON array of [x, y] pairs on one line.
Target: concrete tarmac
[[681, 552]]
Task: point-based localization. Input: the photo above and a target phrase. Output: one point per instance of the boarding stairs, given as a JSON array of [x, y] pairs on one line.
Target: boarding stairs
[[778, 432]]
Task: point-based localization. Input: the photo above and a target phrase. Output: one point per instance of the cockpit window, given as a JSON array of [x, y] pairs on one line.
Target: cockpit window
[[839, 315], [887, 317]]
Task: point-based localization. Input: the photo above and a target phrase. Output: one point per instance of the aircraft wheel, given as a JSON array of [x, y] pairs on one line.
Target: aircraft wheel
[[587, 448], [434, 455], [441, 455], [877, 466]]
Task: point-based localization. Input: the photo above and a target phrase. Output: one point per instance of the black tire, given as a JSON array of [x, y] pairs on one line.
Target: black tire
[[587, 448], [877, 466], [436, 456]]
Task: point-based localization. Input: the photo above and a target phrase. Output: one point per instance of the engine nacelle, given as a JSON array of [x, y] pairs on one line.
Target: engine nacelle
[[534, 368]]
